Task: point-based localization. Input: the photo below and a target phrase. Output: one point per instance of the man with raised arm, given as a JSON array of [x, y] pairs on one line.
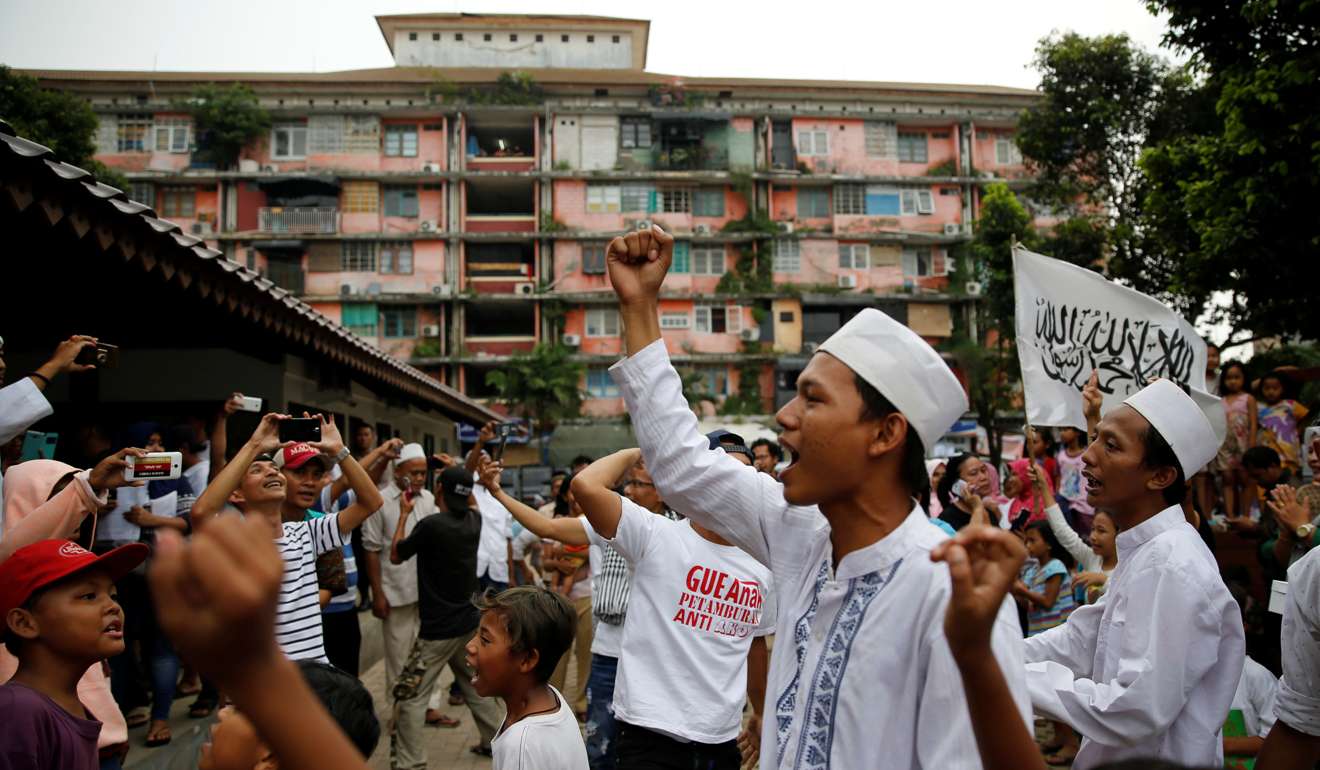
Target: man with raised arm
[[862, 669]]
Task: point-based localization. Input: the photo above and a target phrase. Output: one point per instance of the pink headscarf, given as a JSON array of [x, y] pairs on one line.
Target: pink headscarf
[[1026, 499], [30, 517], [996, 495]]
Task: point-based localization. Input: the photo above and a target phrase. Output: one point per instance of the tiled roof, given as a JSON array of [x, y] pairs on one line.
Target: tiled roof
[[155, 242]]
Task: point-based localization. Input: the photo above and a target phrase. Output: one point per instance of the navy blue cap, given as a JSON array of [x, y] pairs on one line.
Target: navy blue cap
[[728, 441]]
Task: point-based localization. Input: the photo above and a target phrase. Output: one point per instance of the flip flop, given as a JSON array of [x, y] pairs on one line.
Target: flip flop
[[440, 720], [154, 740]]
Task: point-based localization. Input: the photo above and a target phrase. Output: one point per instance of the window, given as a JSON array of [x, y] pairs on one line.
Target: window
[[358, 257], [708, 202], [917, 202], [854, 256], [602, 199], [1007, 153], [400, 201], [787, 256], [540, 38], [708, 260], [711, 319], [638, 197], [399, 321], [143, 192], [920, 262], [412, 35], [634, 133], [513, 38], [911, 148], [813, 202], [673, 320], [361, 197], [360, 319], [486, 37], [849, 199], [563, 38], [714, 381], [593, 258], [614, 39], [881, 139], [131, 133], [435, 36], [676, 200], [600, 384], [288, 141], [177, 201], [172, 134], [603, 322], [682, 258], [396, 257], [458, 36], [591, 38], [814, 142], [882, 200], [401, 141], [362, 133]]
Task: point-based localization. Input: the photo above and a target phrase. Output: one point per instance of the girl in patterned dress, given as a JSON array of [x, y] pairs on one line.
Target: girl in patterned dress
[[1240, 414], [1046, 588], [1279, 420]]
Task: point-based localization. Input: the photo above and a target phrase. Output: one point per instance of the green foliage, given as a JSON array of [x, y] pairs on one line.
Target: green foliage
[[694, 386], [510, 88], [563, 165], [1080, 240], [427, 348], [226, 119], [944, 168], [741, 182], [541, 385], [748, 398], [549, 224], [59, 120]]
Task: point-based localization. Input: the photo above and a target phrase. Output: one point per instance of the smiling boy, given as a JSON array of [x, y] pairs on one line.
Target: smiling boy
[[57, 602]]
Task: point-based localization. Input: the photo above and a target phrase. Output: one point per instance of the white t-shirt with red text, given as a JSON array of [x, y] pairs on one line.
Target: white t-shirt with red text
[[694, 608]]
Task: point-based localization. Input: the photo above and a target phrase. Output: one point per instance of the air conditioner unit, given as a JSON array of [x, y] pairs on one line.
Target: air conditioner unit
[[847, 282], [346, 290], [269, 168], [248, 165], [442, 290], [751, 334], [701, 229], [973, 288], [373, 289], [952, 228], [431, 167], [427, 226], [431, 330], [524, 289], [786, 227], [571, 340], [201, 228]]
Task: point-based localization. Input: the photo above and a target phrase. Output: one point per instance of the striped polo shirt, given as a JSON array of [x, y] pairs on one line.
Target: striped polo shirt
[[298, 614]]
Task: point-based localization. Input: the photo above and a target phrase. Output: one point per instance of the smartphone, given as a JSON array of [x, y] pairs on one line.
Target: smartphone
[[39, 446], [249, 404], [959, 489], [102, 356], [502, 431], [307, 429], [155, 466]]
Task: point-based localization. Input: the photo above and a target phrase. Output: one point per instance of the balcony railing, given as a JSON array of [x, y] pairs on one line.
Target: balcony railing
[[297, 220]]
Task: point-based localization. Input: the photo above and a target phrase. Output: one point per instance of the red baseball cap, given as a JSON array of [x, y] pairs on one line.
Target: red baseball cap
[[36, 566], [295, 456]]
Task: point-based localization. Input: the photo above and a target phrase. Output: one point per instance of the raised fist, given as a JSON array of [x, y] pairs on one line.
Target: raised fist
[[637, 263]]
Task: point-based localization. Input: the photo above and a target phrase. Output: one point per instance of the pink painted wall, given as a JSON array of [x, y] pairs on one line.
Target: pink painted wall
[[570, 198], [941, 145], [428, 271], [570, 253]]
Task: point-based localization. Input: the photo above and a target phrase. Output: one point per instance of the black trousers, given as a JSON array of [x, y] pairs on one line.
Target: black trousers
[[643, 749], [343, 640]]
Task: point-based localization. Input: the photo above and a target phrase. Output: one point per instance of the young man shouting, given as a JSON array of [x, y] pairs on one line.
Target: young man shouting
[[862, 669]]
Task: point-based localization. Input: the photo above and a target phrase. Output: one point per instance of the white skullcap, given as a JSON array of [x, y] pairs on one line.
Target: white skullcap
[[411, 452], [894, 360], [1180, 420]]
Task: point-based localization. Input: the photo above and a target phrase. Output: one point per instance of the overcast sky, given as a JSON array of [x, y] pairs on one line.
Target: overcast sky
[[954, 41]]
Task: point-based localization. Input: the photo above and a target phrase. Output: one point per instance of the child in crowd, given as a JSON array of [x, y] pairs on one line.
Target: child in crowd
[[1096, 557], [524, 632], [57, 602], [1046, 588], [1041, 448], [1279, 420], [1071, 484], [1252, 714], [1240, 412], [1022, 507]]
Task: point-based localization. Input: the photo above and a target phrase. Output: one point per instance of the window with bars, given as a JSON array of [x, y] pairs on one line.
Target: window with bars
[[143, 192], [921, 262], [682, 258], [361, 197], [400, 200], [362, 133], [849, 199], [396, 257], [813, 202], [911, 147], [602, 199], [854, 256], [674, 320], [600, 384], [288, 141], [676, 200], [1006, 152], [717, 319], [814, 142], [325, 134], [787, 255], [131, 133], [401, 141], [172, 134], [917, 202], [881, 139], [603, 322], [708, 260], [399, 321], [593, 258], [178, 202], [357, 256], [634, 133], [360, 318], [708, 202], [637, 197]]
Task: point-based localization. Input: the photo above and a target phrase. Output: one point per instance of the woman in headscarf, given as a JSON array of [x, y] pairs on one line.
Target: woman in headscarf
[[45, 499], [935, 469], [1022, 507]]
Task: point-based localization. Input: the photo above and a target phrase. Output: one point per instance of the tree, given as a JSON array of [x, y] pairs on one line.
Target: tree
[[541, 386], [226, 119], [59, 120]]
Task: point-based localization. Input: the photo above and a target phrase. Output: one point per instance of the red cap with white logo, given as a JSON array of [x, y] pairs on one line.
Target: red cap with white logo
[[36, 566], [295, 456]]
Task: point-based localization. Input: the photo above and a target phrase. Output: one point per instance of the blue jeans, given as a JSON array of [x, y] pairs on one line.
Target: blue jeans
[[601, 727]]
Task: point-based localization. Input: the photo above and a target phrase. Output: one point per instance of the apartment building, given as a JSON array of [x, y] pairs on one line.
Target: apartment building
[[454, 232]]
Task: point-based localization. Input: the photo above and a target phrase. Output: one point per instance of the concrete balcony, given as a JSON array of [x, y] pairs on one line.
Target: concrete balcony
[[298, 220]]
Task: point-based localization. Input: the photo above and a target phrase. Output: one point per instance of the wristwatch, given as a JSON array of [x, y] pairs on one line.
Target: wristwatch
[[1305, 531], [342, 456]]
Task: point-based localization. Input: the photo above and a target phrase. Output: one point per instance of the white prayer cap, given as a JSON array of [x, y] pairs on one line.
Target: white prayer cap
[[1180, 420], [896, 361], [411, 452]]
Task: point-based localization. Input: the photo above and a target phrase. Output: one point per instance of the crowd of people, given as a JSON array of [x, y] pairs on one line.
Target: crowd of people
[[833, 598]]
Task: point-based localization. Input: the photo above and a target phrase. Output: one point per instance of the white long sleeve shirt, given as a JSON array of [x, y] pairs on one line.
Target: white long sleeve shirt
[[1088, 559], [21, 404], [1298, 700], [496, 532], [861, 674], [1150, 669]]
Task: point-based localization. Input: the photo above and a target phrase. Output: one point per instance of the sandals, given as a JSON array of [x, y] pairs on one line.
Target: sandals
[[436, 719], [158, 734], [201, 709]]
